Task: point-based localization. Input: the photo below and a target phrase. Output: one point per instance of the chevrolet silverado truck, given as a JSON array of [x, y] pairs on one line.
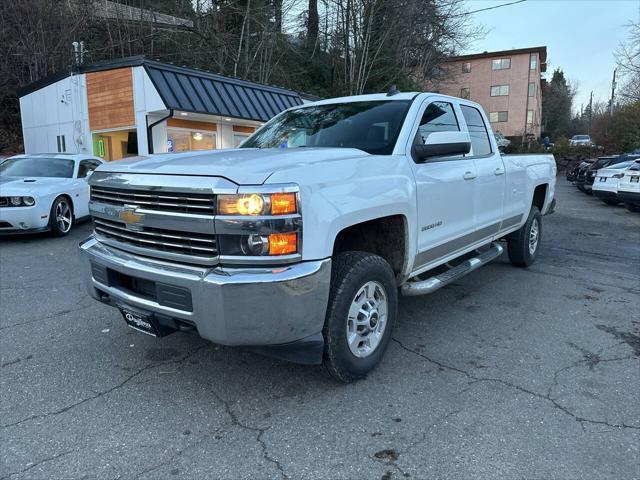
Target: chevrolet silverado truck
[[299, 242]]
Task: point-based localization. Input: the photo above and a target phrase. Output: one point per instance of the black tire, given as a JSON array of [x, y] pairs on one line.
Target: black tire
[[611, 202], [350, 273], [61, 229], [518, 242], [632, 208]]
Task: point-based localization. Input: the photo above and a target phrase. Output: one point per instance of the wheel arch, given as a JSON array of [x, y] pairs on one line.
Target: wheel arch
[[386, 236]]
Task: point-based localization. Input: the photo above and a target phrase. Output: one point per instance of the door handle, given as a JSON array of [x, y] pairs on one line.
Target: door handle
[[469, 175], [499, 171]]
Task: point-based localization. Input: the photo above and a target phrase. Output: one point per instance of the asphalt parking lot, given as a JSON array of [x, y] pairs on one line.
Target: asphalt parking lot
[[508, 373]]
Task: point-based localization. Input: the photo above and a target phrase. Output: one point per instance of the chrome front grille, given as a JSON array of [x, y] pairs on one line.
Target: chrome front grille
[[170, 241], [170, 217], [193, 203]]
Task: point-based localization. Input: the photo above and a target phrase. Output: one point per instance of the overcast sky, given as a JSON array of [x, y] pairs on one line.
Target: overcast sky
[[581, 36]]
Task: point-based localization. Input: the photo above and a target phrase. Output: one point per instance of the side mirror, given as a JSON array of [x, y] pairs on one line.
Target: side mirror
[[442, 144], [88, 175]]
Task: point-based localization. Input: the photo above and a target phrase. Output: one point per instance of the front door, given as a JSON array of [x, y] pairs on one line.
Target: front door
[[445, 190]]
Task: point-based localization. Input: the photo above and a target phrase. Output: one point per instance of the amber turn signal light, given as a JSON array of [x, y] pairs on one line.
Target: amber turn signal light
[[283, 203], [283, 243]]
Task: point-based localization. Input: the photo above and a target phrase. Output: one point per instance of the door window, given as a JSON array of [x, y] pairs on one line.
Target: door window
[[477, 131], [438, 117]]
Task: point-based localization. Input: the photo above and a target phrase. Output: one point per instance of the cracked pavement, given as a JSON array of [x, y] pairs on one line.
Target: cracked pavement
[[507, 373]]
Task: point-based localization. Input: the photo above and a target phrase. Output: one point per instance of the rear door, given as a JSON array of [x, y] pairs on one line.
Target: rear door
[[445, 188], [490, 182]]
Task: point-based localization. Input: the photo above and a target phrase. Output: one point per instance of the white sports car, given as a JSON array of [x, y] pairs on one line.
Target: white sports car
[[41, 192]]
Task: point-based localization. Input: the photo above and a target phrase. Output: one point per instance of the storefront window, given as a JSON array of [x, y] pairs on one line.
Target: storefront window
[[238, 138], [183, 140]]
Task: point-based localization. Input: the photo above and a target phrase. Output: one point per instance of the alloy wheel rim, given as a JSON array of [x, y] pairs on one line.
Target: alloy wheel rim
[[534, 235], [367, 319], [63, 216]]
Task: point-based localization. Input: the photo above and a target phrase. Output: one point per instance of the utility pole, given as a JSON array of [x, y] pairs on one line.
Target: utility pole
[[613, 92], [590, 111]]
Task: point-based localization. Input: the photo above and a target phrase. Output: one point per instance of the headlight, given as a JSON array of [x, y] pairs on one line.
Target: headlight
[[18, 201], [257, 204], [262, 223]]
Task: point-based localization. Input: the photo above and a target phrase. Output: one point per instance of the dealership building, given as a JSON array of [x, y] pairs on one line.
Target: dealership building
[[136, 106]]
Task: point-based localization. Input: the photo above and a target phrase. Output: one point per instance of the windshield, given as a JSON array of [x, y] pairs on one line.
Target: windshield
[[581, 137], [369, 126], [37, 167]]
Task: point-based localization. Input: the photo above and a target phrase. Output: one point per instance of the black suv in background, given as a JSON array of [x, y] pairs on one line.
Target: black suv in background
[[581, 173]]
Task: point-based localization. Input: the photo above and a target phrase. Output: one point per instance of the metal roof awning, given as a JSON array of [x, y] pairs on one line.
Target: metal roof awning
[[192, 90]]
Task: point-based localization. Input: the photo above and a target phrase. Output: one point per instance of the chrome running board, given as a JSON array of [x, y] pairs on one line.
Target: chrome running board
[[430, 285]]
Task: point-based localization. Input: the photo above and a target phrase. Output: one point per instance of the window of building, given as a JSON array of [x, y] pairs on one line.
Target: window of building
[[533, 61], [465, 93], [498, 117], [500, 64], [185, 140], [532, 89], [529, 117], [477, 130], [62, 144], [499, 90], [466, 67], [238, 138], [438, 117]]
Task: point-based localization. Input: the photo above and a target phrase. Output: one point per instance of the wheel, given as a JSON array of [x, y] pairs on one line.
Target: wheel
[[523, 245], [61, 217], [632, 208], [363, 302], [612, 202]]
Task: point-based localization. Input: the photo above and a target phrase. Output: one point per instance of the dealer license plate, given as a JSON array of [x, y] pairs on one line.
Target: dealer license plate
[[140, 321]]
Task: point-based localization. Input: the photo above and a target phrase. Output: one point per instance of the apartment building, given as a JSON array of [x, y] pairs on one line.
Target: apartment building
[[507, 84]]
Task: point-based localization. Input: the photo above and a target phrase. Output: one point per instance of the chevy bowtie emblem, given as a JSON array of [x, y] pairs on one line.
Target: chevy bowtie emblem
[[131, 218]]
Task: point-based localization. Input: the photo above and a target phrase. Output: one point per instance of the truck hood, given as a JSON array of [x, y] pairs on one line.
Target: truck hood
[[244, 166]]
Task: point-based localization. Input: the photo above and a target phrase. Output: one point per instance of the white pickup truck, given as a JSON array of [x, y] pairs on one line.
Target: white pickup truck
[[299, 242]]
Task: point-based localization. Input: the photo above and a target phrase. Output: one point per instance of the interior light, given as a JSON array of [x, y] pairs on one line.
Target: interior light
[[227, 119], [184, 114], [197, 136]]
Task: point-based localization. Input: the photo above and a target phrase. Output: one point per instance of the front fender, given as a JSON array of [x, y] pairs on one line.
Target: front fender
[[337, 195]]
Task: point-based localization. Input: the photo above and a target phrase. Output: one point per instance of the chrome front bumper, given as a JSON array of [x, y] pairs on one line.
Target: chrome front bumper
[[230, 306]]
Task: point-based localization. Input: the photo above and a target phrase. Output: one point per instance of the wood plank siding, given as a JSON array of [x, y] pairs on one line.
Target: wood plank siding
[[243, 129], [191, 124], [110, 98]]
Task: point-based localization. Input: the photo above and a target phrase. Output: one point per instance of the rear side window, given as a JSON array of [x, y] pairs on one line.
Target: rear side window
[[477, 131], [438, 117]]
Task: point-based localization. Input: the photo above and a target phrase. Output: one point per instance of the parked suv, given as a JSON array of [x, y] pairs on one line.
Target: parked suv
[[580, 140]]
